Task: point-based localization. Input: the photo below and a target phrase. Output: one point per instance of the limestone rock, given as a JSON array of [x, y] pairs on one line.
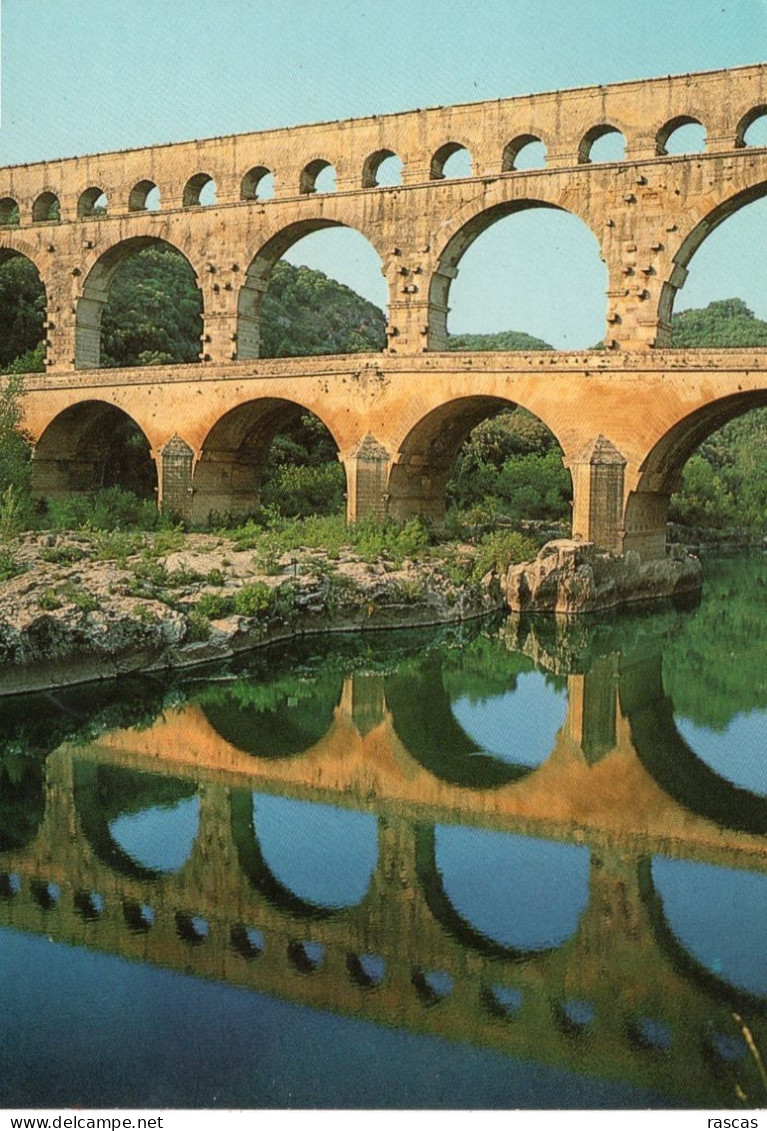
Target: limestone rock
[[577, 577]]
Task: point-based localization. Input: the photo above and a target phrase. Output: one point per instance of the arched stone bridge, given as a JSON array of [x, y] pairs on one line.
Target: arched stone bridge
[[627, 417]]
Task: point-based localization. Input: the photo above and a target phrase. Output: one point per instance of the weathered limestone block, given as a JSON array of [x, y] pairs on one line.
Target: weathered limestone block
[[577, 577]]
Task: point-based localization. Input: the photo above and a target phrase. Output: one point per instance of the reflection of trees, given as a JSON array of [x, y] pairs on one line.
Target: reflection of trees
[[713, 667], [22, 798]]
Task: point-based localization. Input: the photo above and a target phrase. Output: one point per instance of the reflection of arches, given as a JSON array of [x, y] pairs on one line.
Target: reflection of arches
[[256, 280], [254, 864], [22, 801], [586, 150], [690, 967], [102, 793], [425, 725], [665, 133], [673, 765], [288, 726], [661, 471], [695, 238], [435, 877], [95, 293], [92, 445], [228, 474], [465, 229]]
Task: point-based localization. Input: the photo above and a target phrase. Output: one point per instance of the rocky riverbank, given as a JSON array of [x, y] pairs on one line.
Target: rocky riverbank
[[79, 609]]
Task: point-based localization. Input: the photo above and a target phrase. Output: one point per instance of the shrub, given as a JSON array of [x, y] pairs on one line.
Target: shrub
[[502, 549]]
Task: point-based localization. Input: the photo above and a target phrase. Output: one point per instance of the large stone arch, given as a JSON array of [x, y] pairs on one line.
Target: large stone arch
[[228, 472], [660, 472], [262, 259], [427, 452], [76, 448], [98, 273], [468, 224], [14, 248], [691, 241]]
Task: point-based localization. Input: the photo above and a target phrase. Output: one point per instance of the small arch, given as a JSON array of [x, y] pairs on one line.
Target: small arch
[[46, 208], [192, 929], [257, 184], [382, 169], [526, 151], [90, 905], [93, 202], [366, 970], [144, 197], [10, 885], [200, 191], [593, 149], [745, 135], [9, 212], [249, 942], [318, 176], [139, 917], [575, 1016], [682, 134], [451, 161], [433, 986], [502, 1001], [46, 895], [307, 957]]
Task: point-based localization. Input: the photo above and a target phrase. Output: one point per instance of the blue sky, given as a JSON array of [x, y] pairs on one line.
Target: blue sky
[[81, 76]]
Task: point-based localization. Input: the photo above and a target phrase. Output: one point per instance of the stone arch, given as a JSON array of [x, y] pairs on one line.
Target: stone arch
[[9, 212], [427, 452], [666, 131], [98, 275], [46, 208], [467, 226], [373, 163], [690, 244], [748, 119], [262, 263], [139, 195], [86, 205], [443, 155], [595, 134], [228, 473], [249, 186], [515, 148], [194, 188], [309, 174], [660, 473], [81, 449]]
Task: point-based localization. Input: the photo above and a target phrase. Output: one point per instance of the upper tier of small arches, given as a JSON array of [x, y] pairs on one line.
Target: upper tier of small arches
[[341, 159]]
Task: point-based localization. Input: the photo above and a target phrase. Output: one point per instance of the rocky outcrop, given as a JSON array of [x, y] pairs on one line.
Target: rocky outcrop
[[577, 577], [64, 622]]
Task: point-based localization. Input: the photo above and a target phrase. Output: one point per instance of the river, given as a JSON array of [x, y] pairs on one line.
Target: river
[[517, 863]]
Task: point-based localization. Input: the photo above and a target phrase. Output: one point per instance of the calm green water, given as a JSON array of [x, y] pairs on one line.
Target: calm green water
[[509, 865]]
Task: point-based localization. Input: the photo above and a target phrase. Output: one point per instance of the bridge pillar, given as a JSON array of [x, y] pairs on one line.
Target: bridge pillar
[[593, 708], [645, 523], [175, 460], [367, 474], [598, 474]]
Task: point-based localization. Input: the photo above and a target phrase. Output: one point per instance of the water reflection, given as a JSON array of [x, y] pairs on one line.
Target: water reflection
[[520, 840]]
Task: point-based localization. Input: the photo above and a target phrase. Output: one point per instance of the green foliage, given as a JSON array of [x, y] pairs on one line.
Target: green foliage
[[49, 600], [370, 539], [22, 311], [504, 340], [305, 313], [153, 314], [727, 323], [111, 508], [501, 549], [300, 491]]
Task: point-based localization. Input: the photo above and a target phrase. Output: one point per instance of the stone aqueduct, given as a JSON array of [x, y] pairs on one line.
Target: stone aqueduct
[[627, 417]]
